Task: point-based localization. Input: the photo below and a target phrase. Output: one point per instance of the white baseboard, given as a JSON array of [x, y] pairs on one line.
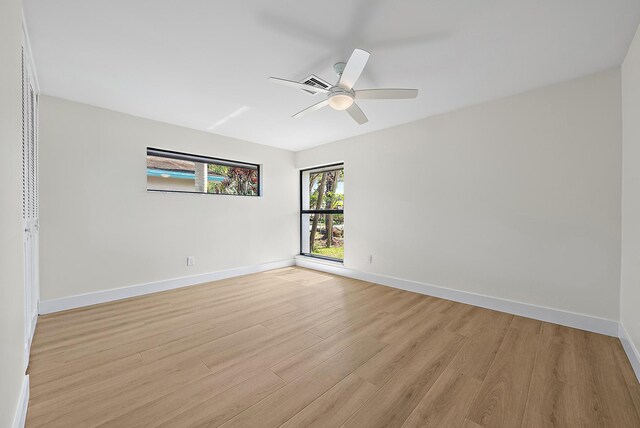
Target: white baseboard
[[23, 403], [29, 340], [556, 316], [34, 321], [80, 300], [630, 349]]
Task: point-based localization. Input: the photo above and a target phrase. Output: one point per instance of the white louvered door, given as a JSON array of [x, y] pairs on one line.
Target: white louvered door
[[30, 200]]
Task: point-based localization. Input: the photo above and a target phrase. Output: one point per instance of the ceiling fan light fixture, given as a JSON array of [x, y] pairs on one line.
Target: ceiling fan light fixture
[[342, 95], [340, 101]]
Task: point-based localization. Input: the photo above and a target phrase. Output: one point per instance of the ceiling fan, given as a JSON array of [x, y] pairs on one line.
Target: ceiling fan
[[341, 96]]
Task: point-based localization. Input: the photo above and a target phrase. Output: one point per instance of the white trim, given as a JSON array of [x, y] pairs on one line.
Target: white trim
[[630, 349], [33, 325], [29, 340], [80, 300], [23, 403], [300, 260], [34, 321], [556, 316]]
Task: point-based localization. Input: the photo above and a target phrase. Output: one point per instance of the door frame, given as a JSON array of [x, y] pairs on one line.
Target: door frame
[[30, 219]]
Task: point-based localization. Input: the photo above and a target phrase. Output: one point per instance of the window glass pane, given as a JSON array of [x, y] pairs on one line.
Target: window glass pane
[[323, 235], [170, 174], [182, 172], [230, 180], [324, 190]]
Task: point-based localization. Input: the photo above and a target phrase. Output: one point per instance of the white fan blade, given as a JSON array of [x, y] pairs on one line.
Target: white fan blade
[[297, 85], [386, 94], [314, 107], [353, 69], [357, 114]]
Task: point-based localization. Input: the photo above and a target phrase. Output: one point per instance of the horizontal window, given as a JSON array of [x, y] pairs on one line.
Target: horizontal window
[[169, 171]]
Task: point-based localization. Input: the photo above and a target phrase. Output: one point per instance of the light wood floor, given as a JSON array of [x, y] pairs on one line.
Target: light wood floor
[[299, 348]]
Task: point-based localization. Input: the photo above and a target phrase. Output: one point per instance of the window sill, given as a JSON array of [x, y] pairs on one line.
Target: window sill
[[311, 259]]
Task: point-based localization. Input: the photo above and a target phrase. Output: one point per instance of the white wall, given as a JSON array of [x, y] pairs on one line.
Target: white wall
[[517, 199], [11, 256], [630, 281], [100, 228]]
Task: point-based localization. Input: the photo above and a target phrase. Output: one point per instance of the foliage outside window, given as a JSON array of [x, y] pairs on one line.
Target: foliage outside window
[[169, 171], [322, 212]]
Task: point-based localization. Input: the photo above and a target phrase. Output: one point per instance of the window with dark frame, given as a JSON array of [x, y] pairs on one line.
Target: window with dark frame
[[322, 212], [169, 171]]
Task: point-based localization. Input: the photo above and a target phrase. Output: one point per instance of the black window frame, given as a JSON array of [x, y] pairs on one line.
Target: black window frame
[[303, 211], [152, 151]]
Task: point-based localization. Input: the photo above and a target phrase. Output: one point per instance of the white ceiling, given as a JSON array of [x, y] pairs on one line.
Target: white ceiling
[[204, 64]]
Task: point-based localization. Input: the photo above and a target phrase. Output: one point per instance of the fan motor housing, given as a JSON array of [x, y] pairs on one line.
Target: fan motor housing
[[335, 90]]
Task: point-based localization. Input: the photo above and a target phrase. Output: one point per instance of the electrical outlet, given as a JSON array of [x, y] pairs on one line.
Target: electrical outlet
[[369, 258], [190, 261]]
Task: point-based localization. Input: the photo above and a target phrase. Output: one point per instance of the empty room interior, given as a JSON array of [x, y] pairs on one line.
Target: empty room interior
[[370, 213]]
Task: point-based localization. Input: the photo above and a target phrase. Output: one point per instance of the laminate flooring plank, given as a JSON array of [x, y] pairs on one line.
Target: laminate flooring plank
[[286, 402], [395, 401], [503, 395]]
